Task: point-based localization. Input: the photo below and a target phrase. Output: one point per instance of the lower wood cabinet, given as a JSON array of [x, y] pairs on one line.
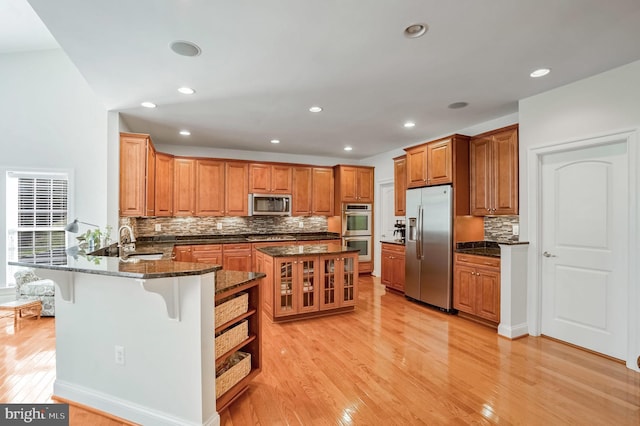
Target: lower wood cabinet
[[251, 344], [392, 274], [237, 257], [302, 286], [232, 257], [476, 286]]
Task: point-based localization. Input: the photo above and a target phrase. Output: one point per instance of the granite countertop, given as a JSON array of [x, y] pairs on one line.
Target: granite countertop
[[131, 268], [484, 248], [228, 280], [397, 242], [305, 250]]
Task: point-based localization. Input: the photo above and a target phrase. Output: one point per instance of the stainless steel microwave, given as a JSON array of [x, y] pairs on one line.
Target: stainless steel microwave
[[269, 205]]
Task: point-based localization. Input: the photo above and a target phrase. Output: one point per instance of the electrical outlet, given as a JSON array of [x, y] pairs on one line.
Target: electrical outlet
[[158, 227], [119, 352], [300, 224], [219, 225], [515, 230]]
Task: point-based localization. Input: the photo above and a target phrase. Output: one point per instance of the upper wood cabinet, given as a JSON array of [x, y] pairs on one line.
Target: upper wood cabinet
[[184, 181], [270, 178], [430, 163], [209, 187], [353, 184], [164, 184], [236, 189], [494, 172], [312, 191], [400, 184], [137, 175]]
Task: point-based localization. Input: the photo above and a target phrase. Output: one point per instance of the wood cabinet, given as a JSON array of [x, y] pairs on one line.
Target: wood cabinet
[[252, 344], [255, 254], [308, 285], [430, 163], [164, 184], [184, 180], [392, 273], [237, 257], [494, 172], [182, 254], [400, 184], [207, 253], [209, 188], [313, 193], [137, 175], [354, 184], [270, 178], [236, 189], [476, 286]]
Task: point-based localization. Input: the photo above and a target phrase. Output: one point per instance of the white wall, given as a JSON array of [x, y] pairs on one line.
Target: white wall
[[52, 120], [603, 104]]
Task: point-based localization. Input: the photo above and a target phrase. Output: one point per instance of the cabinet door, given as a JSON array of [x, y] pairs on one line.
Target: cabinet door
[[237, 189], [364, 180], [307, 284], [397, 265], [348, 280], [348, 184], [207, 253], [281, 179], [439, 162], [302, 195], [480, 171], [184, 187], [329, 292], [164, 184], [487, 289], [505, 172], [400, 185], [182, 254], [150, 190], [259, 178], [209, 188], [237, 257], [265, 265], [322, 192], [285, 302], [386, 275], [417, 166], [464, 297], [133, 161]]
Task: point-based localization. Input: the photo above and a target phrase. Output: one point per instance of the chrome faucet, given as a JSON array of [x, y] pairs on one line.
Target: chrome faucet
[[130, 246]]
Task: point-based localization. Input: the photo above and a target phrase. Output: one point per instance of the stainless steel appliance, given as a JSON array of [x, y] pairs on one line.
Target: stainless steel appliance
[[362, 243], [356, 219], [429, 246], [269, 205], [399, 232]]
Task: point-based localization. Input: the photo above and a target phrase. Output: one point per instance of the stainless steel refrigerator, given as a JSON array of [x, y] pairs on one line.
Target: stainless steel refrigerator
[[429, 242]]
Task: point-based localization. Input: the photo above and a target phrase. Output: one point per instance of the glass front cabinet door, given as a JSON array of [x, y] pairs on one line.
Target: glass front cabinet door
[[296, 285], [338, 280]]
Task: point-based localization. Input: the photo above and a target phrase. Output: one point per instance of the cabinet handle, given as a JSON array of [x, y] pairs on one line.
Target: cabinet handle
[[473, 273]]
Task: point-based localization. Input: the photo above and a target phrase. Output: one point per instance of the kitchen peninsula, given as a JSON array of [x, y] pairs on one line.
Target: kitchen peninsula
[[135, 338], [308, 280]]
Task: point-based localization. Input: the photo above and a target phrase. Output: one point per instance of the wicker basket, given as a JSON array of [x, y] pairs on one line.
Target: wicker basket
[[231, 337], [232, 308], [232, 371]]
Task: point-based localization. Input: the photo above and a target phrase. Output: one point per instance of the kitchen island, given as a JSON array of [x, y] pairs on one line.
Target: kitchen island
[[135, 338], [308, 280]]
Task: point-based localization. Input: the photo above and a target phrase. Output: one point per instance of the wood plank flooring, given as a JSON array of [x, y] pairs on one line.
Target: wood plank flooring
[[390, 362]]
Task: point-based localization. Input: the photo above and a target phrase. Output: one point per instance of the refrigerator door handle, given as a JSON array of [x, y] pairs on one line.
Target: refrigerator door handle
[[419, 229]]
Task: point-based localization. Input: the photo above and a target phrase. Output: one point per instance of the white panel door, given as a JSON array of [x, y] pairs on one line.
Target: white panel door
[[584, 245]]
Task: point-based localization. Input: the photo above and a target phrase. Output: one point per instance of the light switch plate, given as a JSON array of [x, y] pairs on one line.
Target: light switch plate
[[219, 225], [515, 229], [158, 227]]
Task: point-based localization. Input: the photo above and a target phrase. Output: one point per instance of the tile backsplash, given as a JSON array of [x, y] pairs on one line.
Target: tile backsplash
[[500, 228], [231, 225]]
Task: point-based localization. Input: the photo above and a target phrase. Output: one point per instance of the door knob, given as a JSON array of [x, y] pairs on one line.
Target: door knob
[[547, 254]]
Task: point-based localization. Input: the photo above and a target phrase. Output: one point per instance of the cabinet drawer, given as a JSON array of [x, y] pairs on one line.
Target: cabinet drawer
[[393, 248], [475, 260], [208, 248], [237, 247]]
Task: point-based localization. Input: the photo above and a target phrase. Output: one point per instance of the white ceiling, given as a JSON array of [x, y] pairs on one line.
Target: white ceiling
[[264, 63]]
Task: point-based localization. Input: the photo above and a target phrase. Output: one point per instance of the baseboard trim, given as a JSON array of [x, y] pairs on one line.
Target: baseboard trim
[[513, 332], [116, 408]]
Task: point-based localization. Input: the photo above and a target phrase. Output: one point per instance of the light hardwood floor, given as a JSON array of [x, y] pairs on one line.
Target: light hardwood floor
[[391, 362]]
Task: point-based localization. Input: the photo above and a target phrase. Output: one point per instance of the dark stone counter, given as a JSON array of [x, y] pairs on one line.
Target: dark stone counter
[[306, 250], [228, 280], [484, 248]]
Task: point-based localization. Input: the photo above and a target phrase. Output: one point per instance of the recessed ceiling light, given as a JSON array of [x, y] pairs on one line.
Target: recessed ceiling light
[[148, 104], [186, 90], [347, 148], [315, 109], [458, 105], [275, 141], [415, 30], [185, 48], [541, 72], [409, 124], [185, 133]]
